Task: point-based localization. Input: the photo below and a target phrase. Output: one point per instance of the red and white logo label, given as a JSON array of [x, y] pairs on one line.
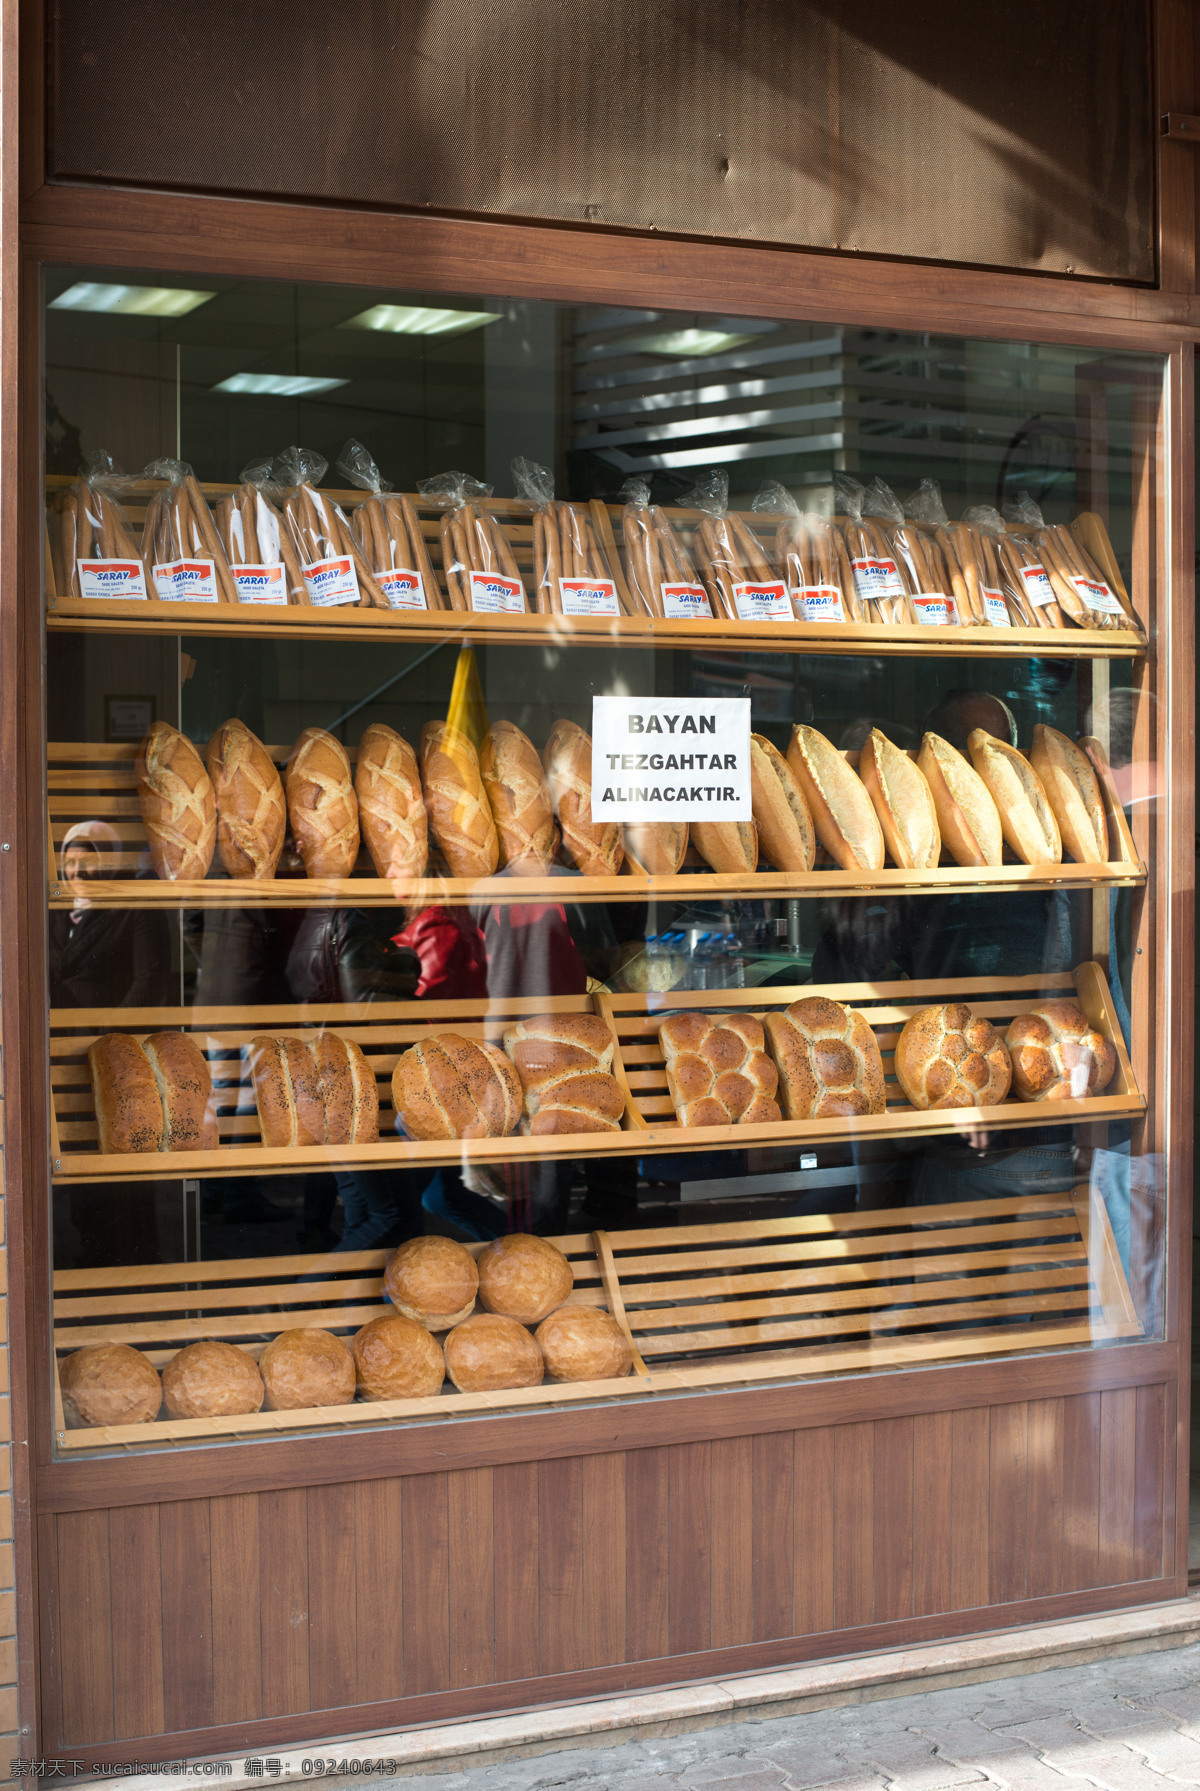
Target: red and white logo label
[[995, 608], [682, 602], [492, 595], [187, 581], [1097, 596], [331, 582], [876, 580], [588, 597], [112, 578], [935, 610], [260, 584], [819, 603], [763, 603], [402, 588], [1038, 588]]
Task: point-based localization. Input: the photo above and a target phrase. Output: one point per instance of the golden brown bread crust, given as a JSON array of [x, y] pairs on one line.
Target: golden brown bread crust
[[433, 1280], [320, 1092], [396, 1358], [519, 798], [1026, 817], [304, 1368], [595, 846], [306, 1092], [177, 804], [655, 848], [903, 803], [1057, 1055], [211, 1380], [185, 1091], [450, 1087], [251, 812], [718, 1072], [109, 1383], [125, 1096], [581, 1343], [322, 806], [1073, 792], [460, 816], [948, 1057], [391, 808], [523, 1277], [726, 845], [565, 1067], [828, 1060], [272, 1091], [786, 835], [331, 1060], [487, 1353], [968, 819], [841, 809]]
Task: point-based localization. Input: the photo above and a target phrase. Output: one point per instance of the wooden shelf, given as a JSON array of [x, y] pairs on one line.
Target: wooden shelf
[[649, 1126], [703, 1306]]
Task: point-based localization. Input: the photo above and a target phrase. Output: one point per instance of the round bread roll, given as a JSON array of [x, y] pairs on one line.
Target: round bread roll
[[109, 1383], [212, 1380], [488, 1353], [305, 1368], [581, 1343], [948, 1057], [1057, 1055], [524, 1277], [396, 1358], [433, 1280]]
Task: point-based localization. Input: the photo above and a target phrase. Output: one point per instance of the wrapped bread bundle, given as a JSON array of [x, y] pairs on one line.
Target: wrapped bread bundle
[[481, 573], [389, 535], [98, 556], [1022, 562], [1089, 531], [1082, 589], [180, 544], [576, 571], [920, 560], [739, 578], [1005, 594], [811, 554], [659, 569], [258, 548], [331, 560], [879, 583]]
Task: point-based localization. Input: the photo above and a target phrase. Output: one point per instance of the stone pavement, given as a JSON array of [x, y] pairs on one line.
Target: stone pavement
[[1119, 1724]]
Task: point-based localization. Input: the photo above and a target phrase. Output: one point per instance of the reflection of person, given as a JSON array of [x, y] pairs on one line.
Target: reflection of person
[[105, 957]]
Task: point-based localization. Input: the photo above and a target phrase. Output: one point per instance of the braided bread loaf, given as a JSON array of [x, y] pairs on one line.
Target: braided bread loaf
[[828, 1060], [948, 1057], [1057, 1055], [718, 1073], [565, 1066]]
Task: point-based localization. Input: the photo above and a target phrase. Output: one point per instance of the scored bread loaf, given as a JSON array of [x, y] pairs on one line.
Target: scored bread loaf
[[655, 848], [1057, 1054], [460, 816], [828, 1060], [595, 846], [946, 1056], [1026, 817], [391, 808], [718, 1073], [903, 803], [176, 803], [786, 835], [1073, 792], [841, 809], [125, 1096], [251, 813], [349, 1096], [726, 845], [967, 817], [451, 1087], [565, 1066], [320, 1092], [322, 806], [308, 1099], [185, 1091], [519, 798]]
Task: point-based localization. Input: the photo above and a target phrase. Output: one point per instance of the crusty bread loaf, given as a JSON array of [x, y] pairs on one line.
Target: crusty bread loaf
[[272, 1091], [251, 812], [109, 1383], [519, 797], [968, 820], [125, 1096], [305, 1368], [655, 848], [948, 1057], [582, 1343], [211, 1380], [391, 808], [432, 1279], [595, 846], [322, 806], [487, 1353], [460, 816], [396, 1358], [1026, 817], [841, 809], [718, 1072], [786, 835], [177, 804], [308, 1100], [828, 1060], [185, 1091], [524, 1277], [1073, 792], [726, 845], [565, 1066], [1057, 1054], [903, 803], [349, 1094], [450, 1087]]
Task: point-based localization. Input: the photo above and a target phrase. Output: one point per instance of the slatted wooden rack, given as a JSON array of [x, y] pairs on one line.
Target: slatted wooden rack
[[385, 1029], [703, 1305]]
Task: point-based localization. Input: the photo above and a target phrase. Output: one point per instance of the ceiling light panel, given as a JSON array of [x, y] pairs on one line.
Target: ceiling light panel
[[419, 320], [277, 385], [130, 301], [689, 342]]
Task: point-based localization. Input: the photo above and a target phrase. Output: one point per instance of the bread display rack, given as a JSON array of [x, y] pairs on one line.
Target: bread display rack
[[384, 1029], [704, 1305]]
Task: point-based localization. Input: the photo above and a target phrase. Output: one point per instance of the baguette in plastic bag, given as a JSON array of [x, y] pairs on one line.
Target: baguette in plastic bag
[[388, 534]]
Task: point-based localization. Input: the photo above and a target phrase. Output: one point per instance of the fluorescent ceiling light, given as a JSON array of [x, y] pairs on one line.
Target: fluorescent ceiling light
[[277, 385], [419, 320], [690, 342], [130, 301]]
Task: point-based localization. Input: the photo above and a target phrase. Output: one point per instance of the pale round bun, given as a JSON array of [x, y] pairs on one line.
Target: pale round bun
[[396, 1358], [305, 1368], [487, 1353], [433, 1280], [109, 1383], [212, 1380], [581, 1343], [524, 1277]]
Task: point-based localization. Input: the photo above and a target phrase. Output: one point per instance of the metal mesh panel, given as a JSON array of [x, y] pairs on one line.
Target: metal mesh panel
[[1014, 136]]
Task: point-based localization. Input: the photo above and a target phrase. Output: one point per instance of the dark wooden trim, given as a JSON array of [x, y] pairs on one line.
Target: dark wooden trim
[[1174, 42]]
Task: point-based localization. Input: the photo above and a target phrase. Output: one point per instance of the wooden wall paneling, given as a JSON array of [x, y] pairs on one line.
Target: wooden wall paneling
[[813, 1547], [237, 1609], [1045, 1497], [603, 1559], [1177, 92], [689, 1533], [1150, 1451], [647, 1529], [560, 1566], [425, 1588], [379, 1570], [774, 1522], [46, 1664], [893, 1526], [1118, 1442], [185, 1549], [135, 1571], [732, 1478], [1008, 1521], [1081, 1492], [970, 1483], [1175, 1470], [853, 1524], [283, 1597], [332, 1609], [516, 1538], [933, 1511], [85, 1627], [471, 1584]]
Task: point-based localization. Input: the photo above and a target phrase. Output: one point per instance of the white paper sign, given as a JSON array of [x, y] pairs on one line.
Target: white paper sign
[[588, 597], [402, 588], [763, 602], [683, 601], [1038, 588], [670, 758], [112, 578], [1097, 596], [818, 603], [260, 584], [935, 610], [877, 580], [332, 581], [492, 595], [187, 581], [996, 608]]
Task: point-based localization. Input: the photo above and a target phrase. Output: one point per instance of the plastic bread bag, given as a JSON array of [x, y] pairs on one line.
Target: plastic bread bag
[[1023, 579], [919, 556], [875, 572], [481, 570], [732, 562], [388, 534], [98, 554], [811, 555], [970, 555], [180, 543], [331, 561], [1083, 592], [658, 567], [576, 569], [258, 547]]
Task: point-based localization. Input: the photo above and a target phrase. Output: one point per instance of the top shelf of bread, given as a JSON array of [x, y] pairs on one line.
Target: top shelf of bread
[[356, 565]]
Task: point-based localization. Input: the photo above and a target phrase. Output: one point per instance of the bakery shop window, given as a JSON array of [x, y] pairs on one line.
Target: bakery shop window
[[420, 1046]]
